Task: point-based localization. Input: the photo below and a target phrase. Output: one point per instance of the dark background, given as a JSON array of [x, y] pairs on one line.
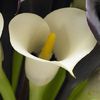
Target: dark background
[[82, 70]]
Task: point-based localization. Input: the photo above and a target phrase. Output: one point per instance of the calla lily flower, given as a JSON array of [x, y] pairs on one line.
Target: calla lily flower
[[74, 40], [1, 28], [1, 24]]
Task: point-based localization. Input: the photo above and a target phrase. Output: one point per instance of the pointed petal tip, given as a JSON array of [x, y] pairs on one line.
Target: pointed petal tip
[[72, 74]]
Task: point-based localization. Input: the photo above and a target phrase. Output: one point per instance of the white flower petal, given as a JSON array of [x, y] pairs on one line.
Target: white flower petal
[[40, 73], [28, 32], [1, 24], [74, 38], [1, 28]]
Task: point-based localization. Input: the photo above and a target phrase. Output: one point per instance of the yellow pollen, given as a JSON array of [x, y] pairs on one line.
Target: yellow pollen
[[47, 50]]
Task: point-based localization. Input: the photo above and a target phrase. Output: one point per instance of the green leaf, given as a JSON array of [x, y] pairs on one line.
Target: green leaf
[[77, 90]]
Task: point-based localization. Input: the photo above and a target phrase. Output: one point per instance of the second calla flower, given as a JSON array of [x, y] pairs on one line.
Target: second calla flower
[[1, 24], [1, 28], [74, 40]]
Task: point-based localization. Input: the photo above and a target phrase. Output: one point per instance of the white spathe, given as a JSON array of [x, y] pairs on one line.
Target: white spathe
[[1, 24], [1, 28], [74, 40]]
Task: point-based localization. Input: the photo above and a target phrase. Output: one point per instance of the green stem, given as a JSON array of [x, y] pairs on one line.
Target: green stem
[[36, 92], [5, 87], [49, 91], [16, 67], [54, 86]]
